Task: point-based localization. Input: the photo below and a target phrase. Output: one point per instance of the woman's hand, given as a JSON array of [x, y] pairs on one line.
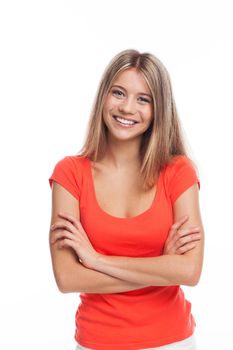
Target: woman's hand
[[74, 236], [180, 241]]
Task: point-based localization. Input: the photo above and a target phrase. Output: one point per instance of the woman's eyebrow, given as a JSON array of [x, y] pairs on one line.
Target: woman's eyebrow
[[140, 93]]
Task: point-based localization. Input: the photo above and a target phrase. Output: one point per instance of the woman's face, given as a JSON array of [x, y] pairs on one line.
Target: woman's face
[[128, 108]]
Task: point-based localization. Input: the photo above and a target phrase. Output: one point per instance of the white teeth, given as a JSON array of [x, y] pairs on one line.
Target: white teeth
[[123, 121]]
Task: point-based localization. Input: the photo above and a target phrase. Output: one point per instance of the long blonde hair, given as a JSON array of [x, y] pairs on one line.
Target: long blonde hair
[[163, 140]]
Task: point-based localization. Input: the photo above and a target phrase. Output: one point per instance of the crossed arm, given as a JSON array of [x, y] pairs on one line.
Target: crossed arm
[[163, 270], [111, 274], [71, 276]]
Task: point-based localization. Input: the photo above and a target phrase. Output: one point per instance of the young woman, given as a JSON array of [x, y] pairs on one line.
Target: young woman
[[126, 229]]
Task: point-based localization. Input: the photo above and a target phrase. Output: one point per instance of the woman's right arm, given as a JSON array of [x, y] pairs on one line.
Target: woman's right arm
[[70, 275]]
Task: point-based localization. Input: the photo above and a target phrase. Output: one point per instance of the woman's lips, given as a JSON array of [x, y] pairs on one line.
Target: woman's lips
[[127, 119], [123, 125]]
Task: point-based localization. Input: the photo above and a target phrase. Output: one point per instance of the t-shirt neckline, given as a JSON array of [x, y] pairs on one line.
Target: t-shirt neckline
[[108, 215]]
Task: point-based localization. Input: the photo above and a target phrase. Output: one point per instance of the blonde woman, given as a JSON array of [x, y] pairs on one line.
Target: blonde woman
[[126, 229]]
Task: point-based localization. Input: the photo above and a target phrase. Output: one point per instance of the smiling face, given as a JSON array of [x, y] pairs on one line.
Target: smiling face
[[128, 108]]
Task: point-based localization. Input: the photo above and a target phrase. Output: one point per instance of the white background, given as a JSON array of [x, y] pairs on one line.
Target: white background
[[52, 56]]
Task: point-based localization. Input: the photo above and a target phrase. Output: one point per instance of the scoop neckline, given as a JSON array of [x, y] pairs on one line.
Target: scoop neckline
[[136, 217]]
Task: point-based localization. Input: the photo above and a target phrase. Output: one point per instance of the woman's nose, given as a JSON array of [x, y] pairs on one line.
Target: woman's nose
[[128, 106]]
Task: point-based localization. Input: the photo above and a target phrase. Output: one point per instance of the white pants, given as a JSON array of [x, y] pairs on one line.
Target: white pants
[[186, 344]]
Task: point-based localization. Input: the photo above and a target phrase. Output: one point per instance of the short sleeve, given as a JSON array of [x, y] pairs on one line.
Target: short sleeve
[[67, 174], [181, 175]]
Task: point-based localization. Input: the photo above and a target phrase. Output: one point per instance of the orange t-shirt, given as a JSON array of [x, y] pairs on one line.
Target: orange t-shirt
[[147, 317]]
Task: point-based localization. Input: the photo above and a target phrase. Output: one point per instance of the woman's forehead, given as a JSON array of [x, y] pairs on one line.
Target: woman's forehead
[[132, 79]]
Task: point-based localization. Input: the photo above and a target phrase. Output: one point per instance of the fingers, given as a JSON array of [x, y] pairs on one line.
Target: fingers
[[177, 225], [71, 224], [180, 222], [63, 235], [67, 216], [62, 224], [182, 240], [186, 232], [187, 239], [70, 218], [75, 222], [68, 232], [70, 227], [185, 248], [66, 243]]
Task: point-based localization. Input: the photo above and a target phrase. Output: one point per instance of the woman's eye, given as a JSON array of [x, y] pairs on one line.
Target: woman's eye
[[117, 92], [144, 99]]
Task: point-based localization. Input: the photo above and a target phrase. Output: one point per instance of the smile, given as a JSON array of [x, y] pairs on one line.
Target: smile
[[124, 122]]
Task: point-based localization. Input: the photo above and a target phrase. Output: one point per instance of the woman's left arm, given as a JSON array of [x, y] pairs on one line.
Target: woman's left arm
[[164, 270]]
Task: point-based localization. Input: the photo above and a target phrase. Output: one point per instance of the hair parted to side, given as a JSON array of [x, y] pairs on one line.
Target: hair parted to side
[[163, 140]]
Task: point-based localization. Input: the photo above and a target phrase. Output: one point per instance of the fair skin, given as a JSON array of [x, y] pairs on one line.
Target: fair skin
[[182, 260], [126, 100]]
